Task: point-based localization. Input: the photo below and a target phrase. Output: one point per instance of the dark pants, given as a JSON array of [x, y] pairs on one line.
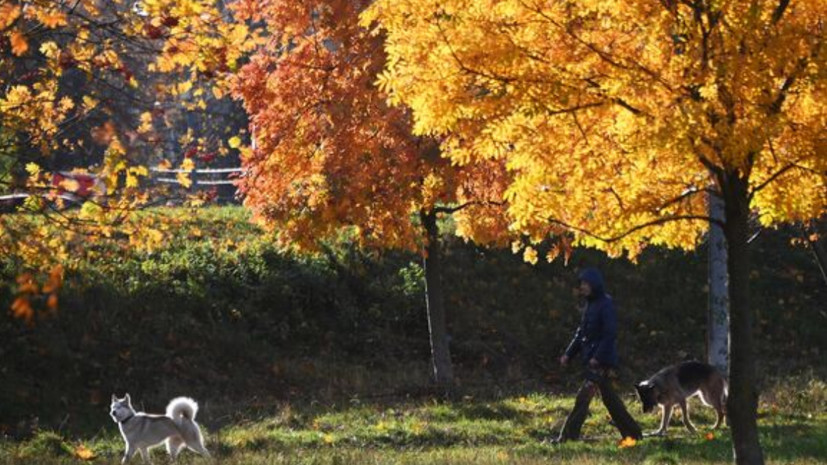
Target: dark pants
[[598, 380]]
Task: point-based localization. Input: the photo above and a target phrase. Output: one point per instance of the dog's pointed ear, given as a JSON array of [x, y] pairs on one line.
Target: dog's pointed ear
[[114, 398], [127, 399]]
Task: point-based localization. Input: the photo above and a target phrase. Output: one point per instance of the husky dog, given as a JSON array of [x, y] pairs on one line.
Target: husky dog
[[675, 384], [142, 431]]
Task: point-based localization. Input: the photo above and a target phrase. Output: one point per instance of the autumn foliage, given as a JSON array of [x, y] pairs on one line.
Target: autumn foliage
[[601, 113], [598, 123], [618, 119], [90, 90], [329, 152]]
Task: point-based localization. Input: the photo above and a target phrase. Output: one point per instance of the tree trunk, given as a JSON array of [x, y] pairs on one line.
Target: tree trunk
[[819, 245], [742, 404], [717, 321], [435, 303]]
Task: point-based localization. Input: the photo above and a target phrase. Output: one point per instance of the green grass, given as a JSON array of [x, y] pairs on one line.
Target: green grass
[[469, 431], [221, 314]]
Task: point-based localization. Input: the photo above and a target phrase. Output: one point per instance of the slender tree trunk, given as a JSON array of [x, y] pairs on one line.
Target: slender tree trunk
[[819, 245], [435, 303], [717, 320], [742, 404]]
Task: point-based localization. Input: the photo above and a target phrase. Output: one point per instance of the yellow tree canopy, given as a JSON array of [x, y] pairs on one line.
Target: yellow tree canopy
[[616, 115]]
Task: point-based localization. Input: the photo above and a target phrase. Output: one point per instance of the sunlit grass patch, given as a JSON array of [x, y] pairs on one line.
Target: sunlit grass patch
[[508, 430]]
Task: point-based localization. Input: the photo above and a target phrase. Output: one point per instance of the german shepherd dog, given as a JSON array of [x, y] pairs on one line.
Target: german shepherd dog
[[675, 384], [142, 431]]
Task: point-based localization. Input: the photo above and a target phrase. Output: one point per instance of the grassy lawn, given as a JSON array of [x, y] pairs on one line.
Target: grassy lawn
[[220, 314], [469, 431]]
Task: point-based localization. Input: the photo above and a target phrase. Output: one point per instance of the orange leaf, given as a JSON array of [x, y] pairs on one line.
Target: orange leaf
[[627, 442], [55, 280], [710, 436], [8, 14], [18, 43], [52, 302], [53, 19], [84, 453], [22, 308], [26, 284]]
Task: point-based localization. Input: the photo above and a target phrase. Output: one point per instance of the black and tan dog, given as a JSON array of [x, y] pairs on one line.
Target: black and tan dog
[[675, 384]]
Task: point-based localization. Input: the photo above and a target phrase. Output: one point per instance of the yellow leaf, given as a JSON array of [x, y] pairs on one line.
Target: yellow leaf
[[19, 46], [184, 180], [49, 49], [131, 180], [89, 103], [69, 184], [234, 142], [32, 168], [139, 170], [709, 92], [184, 87], [146, 123], [66, 104], [90, 210], [530, 255]]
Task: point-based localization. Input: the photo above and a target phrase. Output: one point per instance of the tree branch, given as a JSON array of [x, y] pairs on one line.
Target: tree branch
[[628, 232], [779, 11], [689, 192], [452, 210], [772, 178]]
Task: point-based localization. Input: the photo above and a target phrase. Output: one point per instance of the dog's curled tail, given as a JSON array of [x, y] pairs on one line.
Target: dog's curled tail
[[182, 407]]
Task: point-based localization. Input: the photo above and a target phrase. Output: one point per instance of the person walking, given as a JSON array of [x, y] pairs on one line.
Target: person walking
[[595, 342]]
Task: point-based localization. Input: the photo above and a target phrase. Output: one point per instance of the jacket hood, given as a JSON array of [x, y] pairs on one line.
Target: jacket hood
[[593, 277]]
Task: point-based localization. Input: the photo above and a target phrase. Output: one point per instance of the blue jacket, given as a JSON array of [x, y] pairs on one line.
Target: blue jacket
[[597, 335]]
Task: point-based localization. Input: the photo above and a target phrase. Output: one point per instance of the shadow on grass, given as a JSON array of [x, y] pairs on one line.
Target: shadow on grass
[[516, 425], [794, 439], [805, 440]]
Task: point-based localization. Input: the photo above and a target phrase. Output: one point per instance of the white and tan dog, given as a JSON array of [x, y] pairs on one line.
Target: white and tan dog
[[142, 431]]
